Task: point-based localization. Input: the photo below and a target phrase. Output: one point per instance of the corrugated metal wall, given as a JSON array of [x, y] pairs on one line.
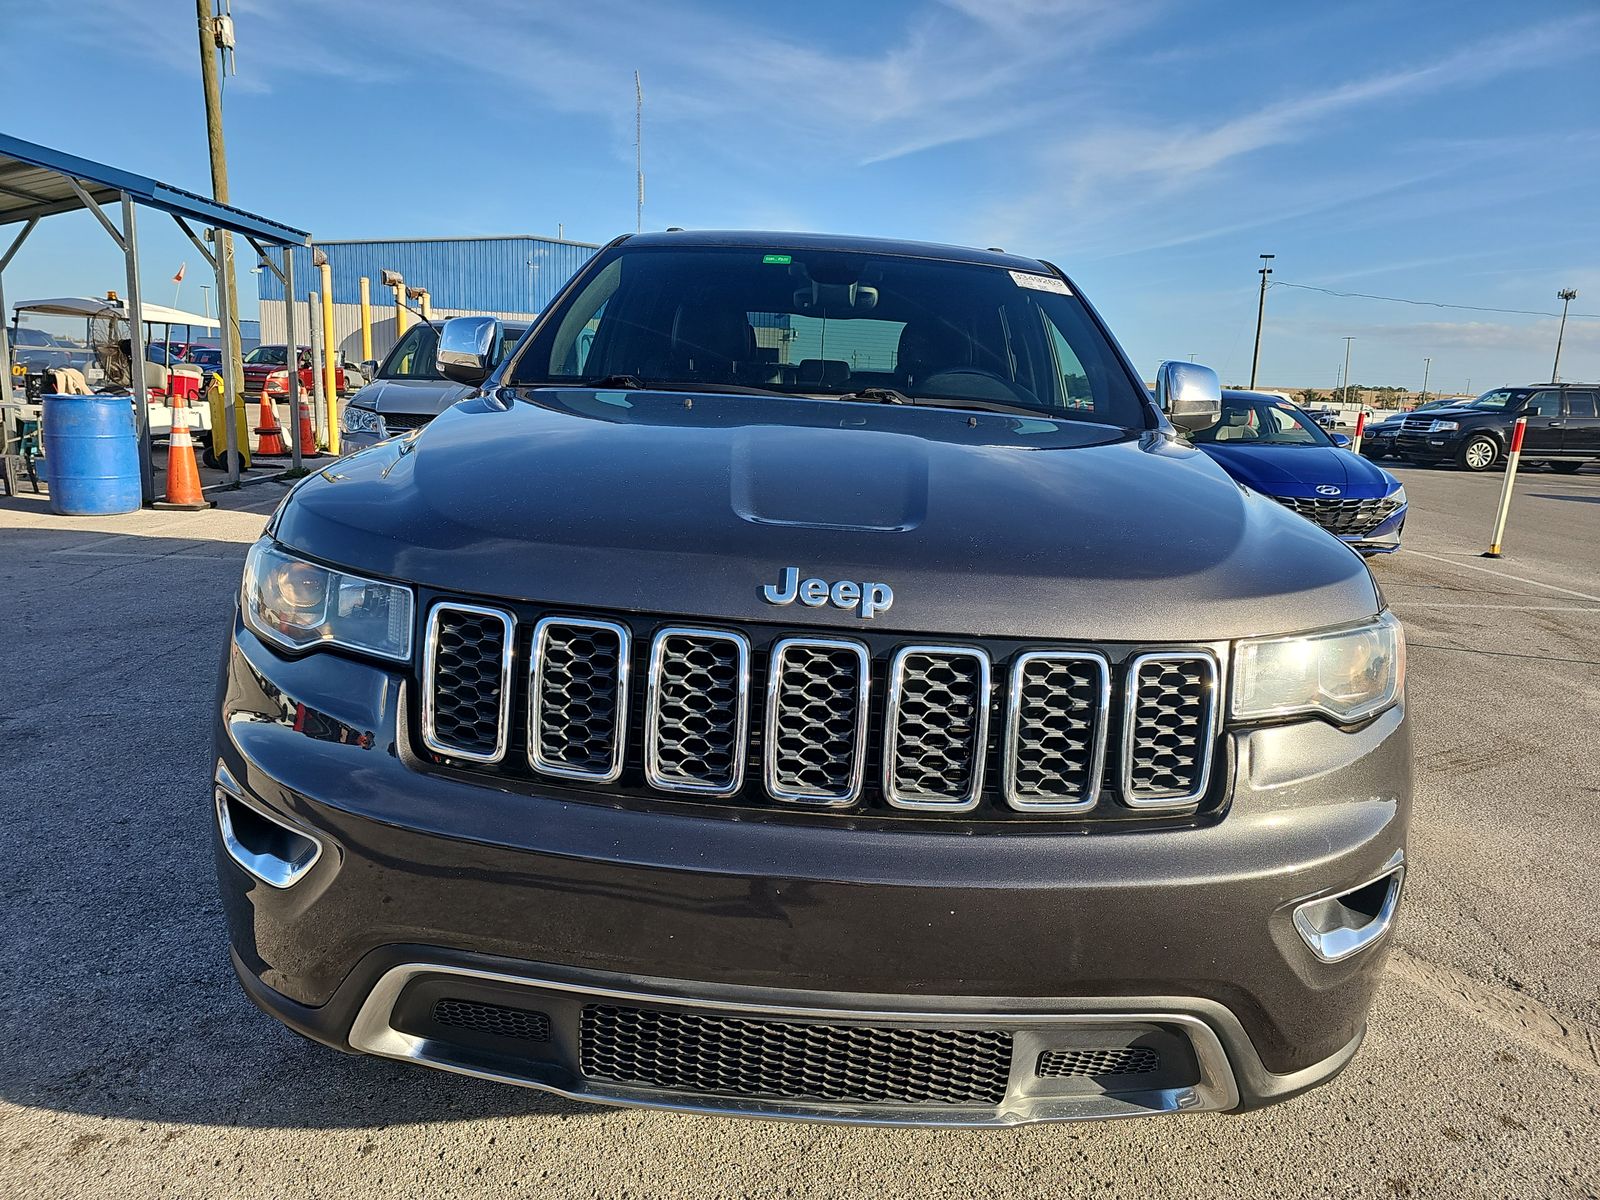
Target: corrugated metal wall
[[347, 324], [474, 275]]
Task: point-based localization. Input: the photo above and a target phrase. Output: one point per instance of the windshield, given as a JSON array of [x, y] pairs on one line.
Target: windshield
[[1499, 401], [824, 323], [271, 356], [1261, 421], [202, 355]]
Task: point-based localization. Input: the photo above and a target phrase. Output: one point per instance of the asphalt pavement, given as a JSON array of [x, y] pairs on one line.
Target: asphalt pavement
[[131, 1064]]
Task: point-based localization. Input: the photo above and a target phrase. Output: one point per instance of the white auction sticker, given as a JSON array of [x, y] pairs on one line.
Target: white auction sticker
[[1041, 283]]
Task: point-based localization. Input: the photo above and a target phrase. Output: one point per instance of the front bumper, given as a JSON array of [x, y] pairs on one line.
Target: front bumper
[[1181, 938]]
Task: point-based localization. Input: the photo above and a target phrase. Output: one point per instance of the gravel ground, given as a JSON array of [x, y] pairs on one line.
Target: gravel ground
[[132, 1065]]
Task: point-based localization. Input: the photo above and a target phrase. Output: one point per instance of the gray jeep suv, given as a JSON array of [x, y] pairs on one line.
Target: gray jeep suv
[[812, 678]]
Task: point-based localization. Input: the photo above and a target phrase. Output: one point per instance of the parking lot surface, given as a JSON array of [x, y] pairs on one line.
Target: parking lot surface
[[132, 1065]]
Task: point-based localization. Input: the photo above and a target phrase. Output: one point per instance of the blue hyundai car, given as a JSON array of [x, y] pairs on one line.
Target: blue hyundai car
[[1275, 448]]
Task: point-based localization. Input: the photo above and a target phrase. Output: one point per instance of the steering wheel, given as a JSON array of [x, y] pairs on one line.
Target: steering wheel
[[975, 383]]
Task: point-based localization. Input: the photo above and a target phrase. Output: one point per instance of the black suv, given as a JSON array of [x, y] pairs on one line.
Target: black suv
[[811, 677], [1563, 428]]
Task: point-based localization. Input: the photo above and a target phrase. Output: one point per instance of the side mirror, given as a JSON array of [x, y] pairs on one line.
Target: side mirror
[[466, 348], [1190, 395], [368, 369], [1340, 439]]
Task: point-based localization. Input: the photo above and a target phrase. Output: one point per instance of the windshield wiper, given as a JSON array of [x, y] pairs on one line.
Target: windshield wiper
[[630, 382], [883, 395]]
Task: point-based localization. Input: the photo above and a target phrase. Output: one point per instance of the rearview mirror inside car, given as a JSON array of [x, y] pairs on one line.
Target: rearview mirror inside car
[[1190, 395]]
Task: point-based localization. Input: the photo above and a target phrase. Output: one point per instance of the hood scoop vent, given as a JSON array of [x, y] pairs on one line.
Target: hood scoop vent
[[853, 479]]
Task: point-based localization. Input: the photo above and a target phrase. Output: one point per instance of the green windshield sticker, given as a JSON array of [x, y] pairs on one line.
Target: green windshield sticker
[[782, 260]]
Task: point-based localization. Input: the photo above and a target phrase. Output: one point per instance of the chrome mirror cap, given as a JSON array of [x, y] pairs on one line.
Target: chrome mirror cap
[[1189, 394], [466, 348]]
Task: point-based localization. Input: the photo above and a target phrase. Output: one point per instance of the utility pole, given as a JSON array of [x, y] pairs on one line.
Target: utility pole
[[638, 151], [1566, 296], [1261, 313], [212, 39], [1427, 365], [1345, 399]]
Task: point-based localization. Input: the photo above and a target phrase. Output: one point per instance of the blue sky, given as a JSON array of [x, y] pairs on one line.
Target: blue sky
[[1436, 150]]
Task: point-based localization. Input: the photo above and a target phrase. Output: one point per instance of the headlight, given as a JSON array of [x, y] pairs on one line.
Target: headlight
[[1398, 496], [1444, 427], [297, 604], [361, 420], [1349, 674]]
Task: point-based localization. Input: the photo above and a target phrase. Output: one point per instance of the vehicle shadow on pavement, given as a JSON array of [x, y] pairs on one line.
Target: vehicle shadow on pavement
[[117, 993]]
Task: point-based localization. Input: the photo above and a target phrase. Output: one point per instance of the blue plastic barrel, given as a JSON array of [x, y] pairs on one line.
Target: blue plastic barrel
[[93, 450]]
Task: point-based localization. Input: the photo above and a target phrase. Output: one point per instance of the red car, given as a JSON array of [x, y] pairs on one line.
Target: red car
[[266, 369]]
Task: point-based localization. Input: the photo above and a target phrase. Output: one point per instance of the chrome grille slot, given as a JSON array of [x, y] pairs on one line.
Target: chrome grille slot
[[578, 698], [758, 1056], [697, 712], [816, 721], [936, 728], [1168, 719], [466, 681], [1056, 736]]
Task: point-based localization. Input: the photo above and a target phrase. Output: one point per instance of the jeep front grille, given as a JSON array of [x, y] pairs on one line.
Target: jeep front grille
[[1348, 518], [466, 695], [794, 1060], [1171, 710], [761, 717], [697, 711], [578, 698], [816, 731], [936, 730]]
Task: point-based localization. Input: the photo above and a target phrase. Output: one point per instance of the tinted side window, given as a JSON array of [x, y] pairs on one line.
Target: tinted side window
[[1581, 404], [1543, 404]]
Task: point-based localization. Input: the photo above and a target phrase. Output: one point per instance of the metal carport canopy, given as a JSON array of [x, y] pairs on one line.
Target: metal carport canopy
[[38, 181]]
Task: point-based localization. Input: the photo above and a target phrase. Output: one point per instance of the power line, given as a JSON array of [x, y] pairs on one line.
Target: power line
[[1519, 312]]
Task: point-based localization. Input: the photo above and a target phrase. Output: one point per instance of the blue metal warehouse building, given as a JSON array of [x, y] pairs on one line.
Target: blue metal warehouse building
[[513, 277]]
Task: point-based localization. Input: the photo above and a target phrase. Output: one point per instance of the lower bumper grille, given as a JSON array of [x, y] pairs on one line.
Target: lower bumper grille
[[1097, 1064], [744, 1056], [495, 1019]]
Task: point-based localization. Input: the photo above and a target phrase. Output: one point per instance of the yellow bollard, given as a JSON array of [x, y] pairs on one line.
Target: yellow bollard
[[427, 308], [366, 319], [402, 319], [329, 343]]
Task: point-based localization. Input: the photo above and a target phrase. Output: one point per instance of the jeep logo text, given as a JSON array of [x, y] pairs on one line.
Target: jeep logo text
[[868, 599]]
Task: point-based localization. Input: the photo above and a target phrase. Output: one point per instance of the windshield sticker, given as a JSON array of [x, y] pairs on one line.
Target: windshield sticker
[[1041, 283], [780, 260]]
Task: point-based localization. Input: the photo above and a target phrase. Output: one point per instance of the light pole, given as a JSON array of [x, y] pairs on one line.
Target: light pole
[[1427, 365], [1345, 400], [1261, 313], [1566, 296]]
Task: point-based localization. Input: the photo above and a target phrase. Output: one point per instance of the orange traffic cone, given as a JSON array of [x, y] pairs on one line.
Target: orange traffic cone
[[183, 476], [271, 436], [308, 435]]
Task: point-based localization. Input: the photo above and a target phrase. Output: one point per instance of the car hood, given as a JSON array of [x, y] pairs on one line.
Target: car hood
[[425, 396], [686, 506], [1300, 470]]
